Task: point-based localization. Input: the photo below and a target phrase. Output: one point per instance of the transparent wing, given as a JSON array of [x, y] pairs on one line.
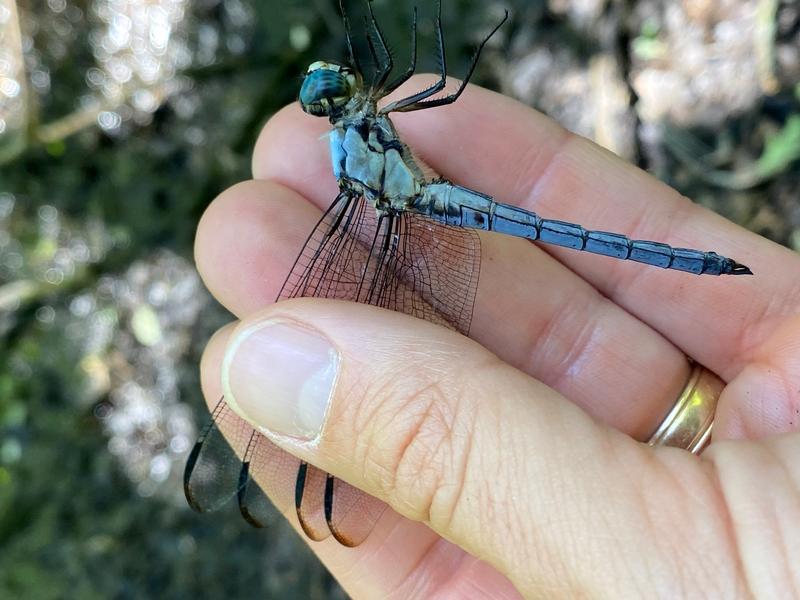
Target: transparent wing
[[405, 263], [211, 476]]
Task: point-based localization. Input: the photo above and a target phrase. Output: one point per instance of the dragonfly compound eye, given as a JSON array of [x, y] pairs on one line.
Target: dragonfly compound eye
[[326, 88]]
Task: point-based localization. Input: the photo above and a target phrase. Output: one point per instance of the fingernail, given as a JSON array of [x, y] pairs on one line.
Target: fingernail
[[279, 376]]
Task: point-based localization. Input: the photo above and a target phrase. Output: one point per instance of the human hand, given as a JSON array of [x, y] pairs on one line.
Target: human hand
[[513, 466]]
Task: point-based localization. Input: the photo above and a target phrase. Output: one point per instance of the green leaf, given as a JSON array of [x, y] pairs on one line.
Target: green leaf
[[781, 149]]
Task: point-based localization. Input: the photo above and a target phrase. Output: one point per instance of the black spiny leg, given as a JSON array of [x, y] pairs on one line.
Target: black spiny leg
[[348, 35], [412, 67], [436, 87], [383, 69], [373, 52], [421, 104]]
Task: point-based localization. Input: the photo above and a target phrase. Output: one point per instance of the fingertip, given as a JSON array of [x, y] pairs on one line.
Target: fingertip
[[291, 150], [231, 205], [287, 119], [246, 242], [231, 228]]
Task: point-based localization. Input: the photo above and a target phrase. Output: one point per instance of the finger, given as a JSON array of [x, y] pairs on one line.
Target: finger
[[498, 146], [549, 323], [247, 241], [764, 398], [400, 557], [488, 458]]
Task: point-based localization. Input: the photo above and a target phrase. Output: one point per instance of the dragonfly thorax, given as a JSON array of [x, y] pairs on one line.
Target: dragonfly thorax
[[327, 88], [368, 158]]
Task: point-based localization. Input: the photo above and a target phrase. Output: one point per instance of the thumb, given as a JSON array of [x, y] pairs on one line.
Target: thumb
[[489, 458]]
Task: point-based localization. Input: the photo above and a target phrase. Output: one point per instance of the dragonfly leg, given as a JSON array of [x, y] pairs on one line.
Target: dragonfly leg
[[385, 66], [412, 67], [349, 35], [449, 99], [437, 87]]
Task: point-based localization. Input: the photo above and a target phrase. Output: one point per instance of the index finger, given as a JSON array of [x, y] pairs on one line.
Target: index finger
[[498, 146]]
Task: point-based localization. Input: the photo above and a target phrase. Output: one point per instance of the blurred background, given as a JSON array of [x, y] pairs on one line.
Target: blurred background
[[120, 120]]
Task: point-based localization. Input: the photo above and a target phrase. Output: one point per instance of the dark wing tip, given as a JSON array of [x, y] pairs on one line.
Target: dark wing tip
[[191, 499]]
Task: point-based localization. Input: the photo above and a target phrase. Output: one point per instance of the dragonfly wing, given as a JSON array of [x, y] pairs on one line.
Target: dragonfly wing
[[436, 269], [427, 270], [337, 261], [335, 258], [350, 513], [266, 467], [309, 501], [407, 263], [424, 269], [212, 470]]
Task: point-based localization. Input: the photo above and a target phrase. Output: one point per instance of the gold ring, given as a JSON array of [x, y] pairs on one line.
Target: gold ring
[[688, 424]]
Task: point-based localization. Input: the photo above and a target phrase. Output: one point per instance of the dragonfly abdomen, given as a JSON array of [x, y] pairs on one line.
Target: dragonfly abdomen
[[462, 207]]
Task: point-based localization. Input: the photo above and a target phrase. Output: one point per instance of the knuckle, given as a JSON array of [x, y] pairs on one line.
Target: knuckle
[[419, 439]]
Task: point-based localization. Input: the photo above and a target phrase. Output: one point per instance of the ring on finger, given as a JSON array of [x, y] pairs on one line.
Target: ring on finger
[[689, 423]]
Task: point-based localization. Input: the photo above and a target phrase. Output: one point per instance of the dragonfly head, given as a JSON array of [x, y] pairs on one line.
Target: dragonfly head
[[328, 86]]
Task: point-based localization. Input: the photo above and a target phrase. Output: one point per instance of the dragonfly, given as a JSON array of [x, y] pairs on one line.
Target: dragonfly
[[393, 238]]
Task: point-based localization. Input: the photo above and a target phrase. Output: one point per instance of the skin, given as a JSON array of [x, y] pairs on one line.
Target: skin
[[511, 462]]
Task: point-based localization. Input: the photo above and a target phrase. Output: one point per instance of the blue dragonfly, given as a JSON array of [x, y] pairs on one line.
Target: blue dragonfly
[[391, 238]]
